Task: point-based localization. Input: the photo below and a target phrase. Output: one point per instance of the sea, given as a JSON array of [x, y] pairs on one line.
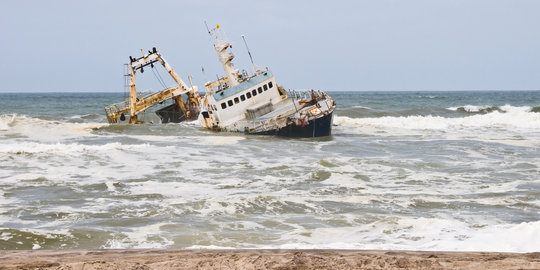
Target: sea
[[414, 170]]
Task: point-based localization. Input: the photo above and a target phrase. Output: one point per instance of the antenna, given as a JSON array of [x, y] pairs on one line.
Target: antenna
[[208, 29], [251, 58], [204, 74]]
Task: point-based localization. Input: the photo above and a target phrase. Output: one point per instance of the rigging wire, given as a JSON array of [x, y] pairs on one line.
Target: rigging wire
[[161, 78], [158, 77]]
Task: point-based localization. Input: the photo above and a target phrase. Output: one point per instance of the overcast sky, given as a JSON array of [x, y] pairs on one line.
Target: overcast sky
[[81, 46]]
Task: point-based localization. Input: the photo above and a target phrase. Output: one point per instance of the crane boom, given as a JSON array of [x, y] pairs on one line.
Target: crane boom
[[138, 103]]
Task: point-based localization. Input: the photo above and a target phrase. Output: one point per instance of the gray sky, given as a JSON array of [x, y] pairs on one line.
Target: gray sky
[[329, 45]]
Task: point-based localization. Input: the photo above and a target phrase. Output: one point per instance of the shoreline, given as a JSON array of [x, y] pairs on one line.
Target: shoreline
[[263, 259]]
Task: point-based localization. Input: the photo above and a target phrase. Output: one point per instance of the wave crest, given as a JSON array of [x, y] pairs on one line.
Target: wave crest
[[71, 148], [45, 130], [514, 117], [489, 108], [6, 121]]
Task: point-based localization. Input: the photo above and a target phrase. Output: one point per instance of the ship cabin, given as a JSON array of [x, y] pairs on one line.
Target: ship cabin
[[248, 100]]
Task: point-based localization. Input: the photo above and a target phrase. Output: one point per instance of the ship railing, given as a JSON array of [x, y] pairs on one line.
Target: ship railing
[[114, 109], [306, 94], [145, 94], [125, 104], [117, 107]]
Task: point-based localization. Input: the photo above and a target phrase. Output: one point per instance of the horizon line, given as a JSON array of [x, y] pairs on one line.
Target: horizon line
[[386, 90]]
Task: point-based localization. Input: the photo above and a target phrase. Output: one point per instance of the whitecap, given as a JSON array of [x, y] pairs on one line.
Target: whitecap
[[149, 236], [514, 117], [220, 140], [430, 234], [6, 121], [71, 148], [45, 130]]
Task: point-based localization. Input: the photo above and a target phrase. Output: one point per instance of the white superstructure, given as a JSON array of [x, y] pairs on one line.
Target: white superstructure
[[257, 104]]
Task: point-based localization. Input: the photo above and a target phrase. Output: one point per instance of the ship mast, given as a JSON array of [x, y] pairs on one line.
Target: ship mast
[[225, 56]]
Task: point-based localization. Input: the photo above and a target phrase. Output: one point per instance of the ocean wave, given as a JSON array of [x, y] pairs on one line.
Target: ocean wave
[[6, 120], [86, 116], [362, 107], [422, 233], [46, 130], [490, 108], [33, 148], [429, 96], [220, 140], [149, 236], [514, 117]]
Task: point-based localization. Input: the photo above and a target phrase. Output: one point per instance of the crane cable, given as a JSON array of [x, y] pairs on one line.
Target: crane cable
[[159, 78]]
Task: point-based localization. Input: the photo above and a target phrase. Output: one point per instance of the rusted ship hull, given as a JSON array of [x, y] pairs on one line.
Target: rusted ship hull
[[318, 127]]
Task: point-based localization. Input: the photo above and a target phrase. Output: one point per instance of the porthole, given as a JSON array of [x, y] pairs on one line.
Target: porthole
[[248, 94], [242, 97], [230, 103], [260, 90], [254, 92], [223, 105], [236, 100], [270, 85], [265, 87]]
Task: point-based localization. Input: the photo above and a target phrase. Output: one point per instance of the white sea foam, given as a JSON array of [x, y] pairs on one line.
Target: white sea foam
[[45, 130], [515, 117], [516, 142], [470, 108], [6, 121], [139, 237], [71, 148], [510, 109], [479, 108], [421, 234], [171, 189], [220, 140], [155, 138], [362, 107]]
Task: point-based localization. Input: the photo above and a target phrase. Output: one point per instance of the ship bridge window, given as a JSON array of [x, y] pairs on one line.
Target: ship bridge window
[[223, 105], [260, 90], [270, 85], [236, 100], [248, 94], [242, 97], [265, 87], [254, 92], [230, 103]]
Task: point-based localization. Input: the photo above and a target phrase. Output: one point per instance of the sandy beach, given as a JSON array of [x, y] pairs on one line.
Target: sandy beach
[[264, 259]]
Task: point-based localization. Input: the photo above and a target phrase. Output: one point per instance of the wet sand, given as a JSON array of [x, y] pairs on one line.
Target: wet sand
[[264, 259]]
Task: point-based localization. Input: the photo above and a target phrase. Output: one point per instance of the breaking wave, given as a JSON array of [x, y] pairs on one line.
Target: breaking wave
[[488, 108], [6, 121], [33, 148], [45, 130], [510, 117], [422, 234]]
